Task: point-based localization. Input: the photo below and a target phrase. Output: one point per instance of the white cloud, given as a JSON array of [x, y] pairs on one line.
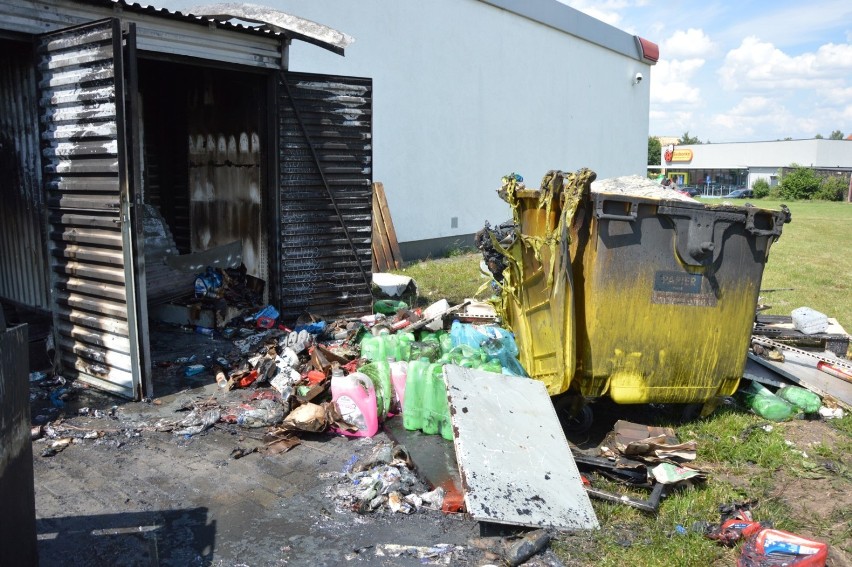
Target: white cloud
[[608, 11], [838, 96], [673, 82], [760, 66], [690, 44], [765, 115], [671, 123]]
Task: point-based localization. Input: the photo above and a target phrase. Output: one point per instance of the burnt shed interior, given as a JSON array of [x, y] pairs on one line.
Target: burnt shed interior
[[202, 158]]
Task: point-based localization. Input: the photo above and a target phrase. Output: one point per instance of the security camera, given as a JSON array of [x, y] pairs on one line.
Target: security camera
[[638, 78]]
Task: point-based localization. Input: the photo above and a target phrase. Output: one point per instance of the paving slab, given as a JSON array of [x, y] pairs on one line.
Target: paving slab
[[141, 497]]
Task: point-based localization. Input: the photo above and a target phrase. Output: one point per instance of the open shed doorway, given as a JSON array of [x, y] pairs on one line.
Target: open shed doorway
[[203, 182]]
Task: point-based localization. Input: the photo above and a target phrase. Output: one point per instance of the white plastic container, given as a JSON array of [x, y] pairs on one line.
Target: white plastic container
[[808, 321]]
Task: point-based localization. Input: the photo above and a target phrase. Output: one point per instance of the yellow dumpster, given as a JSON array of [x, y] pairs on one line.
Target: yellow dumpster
[[633, 291]]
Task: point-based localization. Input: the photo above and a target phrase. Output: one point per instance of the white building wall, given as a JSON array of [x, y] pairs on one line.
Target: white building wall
[[769, 174], [465, 92]]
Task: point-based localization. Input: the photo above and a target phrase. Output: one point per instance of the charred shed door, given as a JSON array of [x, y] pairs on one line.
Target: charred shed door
[[82, 97], [325, 199]]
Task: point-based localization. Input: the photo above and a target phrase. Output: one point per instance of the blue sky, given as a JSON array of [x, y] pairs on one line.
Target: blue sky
[[746, 70]]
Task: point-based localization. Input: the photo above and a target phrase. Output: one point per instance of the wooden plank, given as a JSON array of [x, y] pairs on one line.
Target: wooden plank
[[396, 255], [381, 251]]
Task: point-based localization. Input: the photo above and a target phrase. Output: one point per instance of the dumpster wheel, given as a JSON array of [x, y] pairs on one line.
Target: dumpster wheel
[[574, 415]]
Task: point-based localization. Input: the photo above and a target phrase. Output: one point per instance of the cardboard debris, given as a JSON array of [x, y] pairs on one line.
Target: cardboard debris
[[308, 417]]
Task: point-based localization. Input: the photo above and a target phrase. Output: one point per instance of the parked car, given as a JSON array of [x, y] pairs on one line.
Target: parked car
[[692, 190], [740, 194]]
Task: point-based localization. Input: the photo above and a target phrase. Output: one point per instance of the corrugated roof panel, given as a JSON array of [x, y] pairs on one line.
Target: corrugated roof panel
[[158, 30]]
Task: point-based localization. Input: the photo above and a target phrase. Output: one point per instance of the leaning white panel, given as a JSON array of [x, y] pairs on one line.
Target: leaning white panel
[[515, 463]]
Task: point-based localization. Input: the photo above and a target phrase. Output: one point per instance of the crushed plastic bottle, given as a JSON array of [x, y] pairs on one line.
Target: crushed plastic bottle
[[804, 400], [766, 404]]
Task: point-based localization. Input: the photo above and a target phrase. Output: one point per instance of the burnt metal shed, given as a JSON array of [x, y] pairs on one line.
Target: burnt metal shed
[[116, 118]]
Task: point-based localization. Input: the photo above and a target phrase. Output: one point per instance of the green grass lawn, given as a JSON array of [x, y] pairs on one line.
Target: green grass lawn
[[814, 257]]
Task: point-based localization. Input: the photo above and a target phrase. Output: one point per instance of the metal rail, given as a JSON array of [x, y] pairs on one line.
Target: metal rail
[[817, 357]]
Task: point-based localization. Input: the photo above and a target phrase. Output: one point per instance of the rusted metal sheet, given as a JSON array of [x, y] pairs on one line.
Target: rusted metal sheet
[[325, 214], [159, 30], [515, 463], [88, 205], [23, 261]]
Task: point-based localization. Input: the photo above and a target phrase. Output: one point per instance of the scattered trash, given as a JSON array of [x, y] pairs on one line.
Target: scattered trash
[[37, 376], [310, 417], [530, 544], [56, 446], [627, 454], [439, 554], [240, 452], [196, 421], [766, 404], [194, 369], [384, 480], [764, 546], [262, 414], [834, 370], [831, 413]]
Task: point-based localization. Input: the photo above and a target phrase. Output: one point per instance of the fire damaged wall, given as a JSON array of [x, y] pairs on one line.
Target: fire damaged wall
[[23, 274], [325, 200], [204, 156]]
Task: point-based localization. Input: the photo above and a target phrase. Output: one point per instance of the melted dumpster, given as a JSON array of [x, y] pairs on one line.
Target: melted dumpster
[[626, 289]]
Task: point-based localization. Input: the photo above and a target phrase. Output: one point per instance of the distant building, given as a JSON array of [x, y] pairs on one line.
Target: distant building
[[717, 168]]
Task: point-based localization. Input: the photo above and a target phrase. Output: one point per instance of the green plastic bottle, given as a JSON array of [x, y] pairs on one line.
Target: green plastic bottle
[[404, 341], [766, 404], [373, 348], [391, 346], [429, 336], [804, 400], [434, 384], [445, 340], [389, 306], [459, 353], [412, 409], [379, 374], [491, 366]]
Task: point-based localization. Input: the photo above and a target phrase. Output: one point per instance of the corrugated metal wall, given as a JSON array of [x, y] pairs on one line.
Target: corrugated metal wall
[[22, 250], [86, 181], [327, 123]]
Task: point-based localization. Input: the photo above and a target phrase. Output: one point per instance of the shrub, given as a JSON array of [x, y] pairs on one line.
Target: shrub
[[760, 188], [800, 183], [832, 188]]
